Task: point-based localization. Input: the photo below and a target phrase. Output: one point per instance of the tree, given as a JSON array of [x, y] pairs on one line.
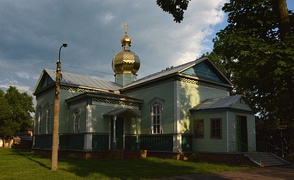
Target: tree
[[174, 7], [257, 45], [256, 52], [15, 109]]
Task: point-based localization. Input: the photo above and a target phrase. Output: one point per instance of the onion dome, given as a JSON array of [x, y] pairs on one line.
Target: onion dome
[[125, 61]]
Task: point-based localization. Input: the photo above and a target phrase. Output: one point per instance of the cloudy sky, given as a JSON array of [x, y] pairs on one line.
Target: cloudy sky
[[31, 32]]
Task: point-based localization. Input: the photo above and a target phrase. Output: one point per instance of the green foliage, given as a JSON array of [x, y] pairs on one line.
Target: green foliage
[[261, 61], [15, 109], [6, 123], [174, 7]]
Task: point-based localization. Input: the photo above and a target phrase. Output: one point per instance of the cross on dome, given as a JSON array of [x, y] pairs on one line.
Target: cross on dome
[[126, 27]]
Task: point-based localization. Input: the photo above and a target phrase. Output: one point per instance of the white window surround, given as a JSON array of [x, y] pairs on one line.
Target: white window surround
[[156, 107], [76, 120], [39, 128], [48, 118]]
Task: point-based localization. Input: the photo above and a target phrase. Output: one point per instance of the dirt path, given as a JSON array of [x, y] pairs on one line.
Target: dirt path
[[268, 173]]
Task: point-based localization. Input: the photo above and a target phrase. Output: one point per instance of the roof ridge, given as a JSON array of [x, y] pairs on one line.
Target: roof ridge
[[73, 79], [89, 77], [165, 72]]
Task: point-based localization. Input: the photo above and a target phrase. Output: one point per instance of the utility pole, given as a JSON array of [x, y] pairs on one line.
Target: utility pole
[[55, 138]]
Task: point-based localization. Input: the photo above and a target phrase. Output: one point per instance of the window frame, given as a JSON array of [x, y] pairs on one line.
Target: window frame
[[156, 118], [156, 108], [216, 128], [48, 119], [76, 120], [40, 114]]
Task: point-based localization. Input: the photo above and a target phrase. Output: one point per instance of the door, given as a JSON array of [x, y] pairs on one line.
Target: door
[[241, 133], [119, 133]]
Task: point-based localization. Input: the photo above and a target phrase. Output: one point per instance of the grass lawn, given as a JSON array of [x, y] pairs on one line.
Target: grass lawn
[[22, 164]]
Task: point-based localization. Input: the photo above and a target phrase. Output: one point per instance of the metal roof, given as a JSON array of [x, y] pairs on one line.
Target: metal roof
[[218, 103], [84, 81], [126, 111], [162, 73], [171, 71]]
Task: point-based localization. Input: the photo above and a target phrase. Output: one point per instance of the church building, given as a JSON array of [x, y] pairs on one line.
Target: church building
[[187, 108]]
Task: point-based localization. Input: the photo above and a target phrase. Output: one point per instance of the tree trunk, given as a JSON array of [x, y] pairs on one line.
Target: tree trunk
[[10, 142], [284, 19], [285, 30], [2, 145]]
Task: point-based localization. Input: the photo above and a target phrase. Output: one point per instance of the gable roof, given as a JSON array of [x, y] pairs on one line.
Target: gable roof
[[178, 70], [76, 80], [81, 81], [226, 102]]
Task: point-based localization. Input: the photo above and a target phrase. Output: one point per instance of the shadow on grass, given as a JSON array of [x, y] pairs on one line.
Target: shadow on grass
[[26, 153], [149, 168]]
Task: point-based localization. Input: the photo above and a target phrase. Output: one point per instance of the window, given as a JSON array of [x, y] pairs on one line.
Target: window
[[48, 119], [198, 128], [76, 119], [216, 128], [39, 120], [156, 115]]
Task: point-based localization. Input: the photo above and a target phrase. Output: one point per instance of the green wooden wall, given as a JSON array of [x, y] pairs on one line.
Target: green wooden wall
[[192, 94], [207, 144], [229, 134], [164, 91]]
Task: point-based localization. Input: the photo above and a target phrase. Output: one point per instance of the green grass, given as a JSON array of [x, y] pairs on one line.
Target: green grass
[[22, 164]]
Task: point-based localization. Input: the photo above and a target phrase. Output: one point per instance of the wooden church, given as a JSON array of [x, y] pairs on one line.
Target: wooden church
[[182, 109]]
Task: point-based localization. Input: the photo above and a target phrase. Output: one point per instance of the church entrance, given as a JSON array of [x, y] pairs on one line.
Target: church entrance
[[241, 132], [117, 137]]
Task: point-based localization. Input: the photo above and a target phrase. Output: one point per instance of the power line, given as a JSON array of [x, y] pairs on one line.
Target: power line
[[88, 69]]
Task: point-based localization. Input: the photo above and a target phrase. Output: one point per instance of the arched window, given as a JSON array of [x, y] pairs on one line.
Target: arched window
[[156, 107], [76, 120], [48, 118], [39, 120]]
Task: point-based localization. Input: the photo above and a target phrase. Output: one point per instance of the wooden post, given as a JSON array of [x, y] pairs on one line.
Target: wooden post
[[55, 138]]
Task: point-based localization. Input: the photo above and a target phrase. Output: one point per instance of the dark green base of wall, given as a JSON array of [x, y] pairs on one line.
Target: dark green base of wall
[[236, 159]]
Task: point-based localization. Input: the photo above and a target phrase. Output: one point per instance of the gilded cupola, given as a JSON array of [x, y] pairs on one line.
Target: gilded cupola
[[125, 63]]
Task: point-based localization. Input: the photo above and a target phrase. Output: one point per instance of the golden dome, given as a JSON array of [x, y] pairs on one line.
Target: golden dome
[[126, 40], [125, 61]]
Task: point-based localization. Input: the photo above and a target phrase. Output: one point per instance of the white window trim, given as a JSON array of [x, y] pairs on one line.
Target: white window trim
[[156, 102], [76, 117], [48, 120], [39, 120]]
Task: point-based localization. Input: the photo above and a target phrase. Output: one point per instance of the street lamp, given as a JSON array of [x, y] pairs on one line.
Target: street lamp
[[63, 45], [55, 138]]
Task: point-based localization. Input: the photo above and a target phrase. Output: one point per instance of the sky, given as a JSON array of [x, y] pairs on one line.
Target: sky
[[32, 31]]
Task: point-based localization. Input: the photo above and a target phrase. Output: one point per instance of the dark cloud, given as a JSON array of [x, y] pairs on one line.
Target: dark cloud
[[32, 31]]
